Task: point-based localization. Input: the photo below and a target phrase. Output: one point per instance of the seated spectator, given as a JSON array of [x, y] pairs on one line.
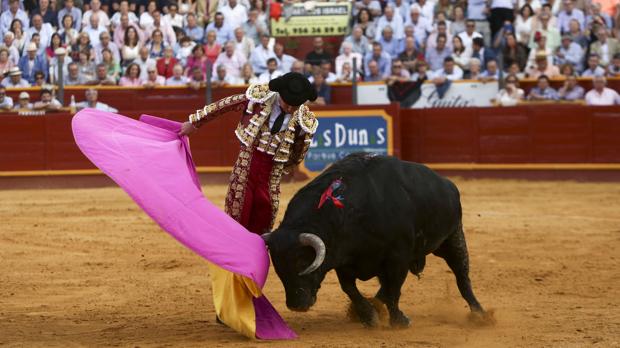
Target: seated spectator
[[23, 102], [193, 30], [392, 20], [197, 60], [14, 13], [475, 70], [166, 63], [92, 102], [569, 53], [231, 60], [83, 44], [468, 36], [247, 75], [101, 76], [298, 67], [365, 21], [244, 44], [123, 10], [39, 47], [601, 95], [132, 76], [318, 54], [197, 79], [543, 91], [153, 79], [460, 55], [410, 56], [480, 52], [156, 45], [567, 70], [59, 54], [491, 73], [373, 73], [9, 39], [524, 24], [514, 51], [326, 71], [261, 54], [146, 18], [398, 73], [130, 49], [15, 80], [86, 66], [540, 47], [165, 27], [137, 38], [144, 61], [223, 32], [323, 90], [55, 43], [94, 30], [254, 27], [546, 30], [450, 71], [31, 63], [112, 65], [73, 77], [382, 59], [221, 77], [442, 28], [68, 33], [95, 10], [212, 47], [614, 68], [437, 55], [577, 35], [271, 73], [39, 79], [542, 67], [511, 94], [285, 61], [571, 90], [47, 102], [604, 47], [74, 12], [177, 78], [48, 14], [105, 42], [421, 73], [184, 51], [359, 42], [391, 45], [5, 62], [346, 74], [593, 67], [173, 17], [6, 102]]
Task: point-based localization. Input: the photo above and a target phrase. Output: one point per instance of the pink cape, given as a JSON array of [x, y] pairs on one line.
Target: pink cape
[[154, 166]]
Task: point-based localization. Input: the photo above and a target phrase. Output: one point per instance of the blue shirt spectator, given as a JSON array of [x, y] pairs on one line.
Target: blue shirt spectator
[[193, 30], [222, 30], [542, 91], [31, 63], [383, 59], [435, 56], [390, 44], [14, 12], [75, 13], [570, 12], [569, 53]]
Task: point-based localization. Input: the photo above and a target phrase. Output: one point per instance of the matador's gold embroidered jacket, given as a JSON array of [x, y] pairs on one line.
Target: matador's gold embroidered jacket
[[288, 147]]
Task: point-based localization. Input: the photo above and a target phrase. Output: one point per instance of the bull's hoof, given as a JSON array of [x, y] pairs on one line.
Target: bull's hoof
[[365, 314], [400, 321], [370, 320], [483, 318]]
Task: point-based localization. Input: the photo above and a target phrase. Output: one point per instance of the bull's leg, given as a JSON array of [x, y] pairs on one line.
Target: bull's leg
[[454, 251], [365, 311], [391, 282]]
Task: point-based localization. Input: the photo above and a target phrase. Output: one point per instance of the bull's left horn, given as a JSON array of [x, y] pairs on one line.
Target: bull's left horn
[[317, 244]]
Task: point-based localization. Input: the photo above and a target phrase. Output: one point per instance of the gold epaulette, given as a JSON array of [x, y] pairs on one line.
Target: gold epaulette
[[307, 120]]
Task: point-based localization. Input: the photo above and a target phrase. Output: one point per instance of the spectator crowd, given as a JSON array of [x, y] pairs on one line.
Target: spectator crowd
[[152, 43]]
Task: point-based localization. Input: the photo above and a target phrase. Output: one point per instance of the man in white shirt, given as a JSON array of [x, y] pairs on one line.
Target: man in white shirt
[[123, 10], [221, 78], [177, 78], [15, 80], [271, 73], [469, 34], [450, 71], [105, 41], [94, 29], [9, 37], [427, 9], [173, 17], [285, 62], [244, 44], [45, 30], [95, 8], [154, 79], [6, 102], [602, 95], [232, 60], [261, 53], [394, 21], [421, 26], [91, 102], [14, 12], [234, 14], [144, 61], [347, 56], [54, 62], [159, 23]]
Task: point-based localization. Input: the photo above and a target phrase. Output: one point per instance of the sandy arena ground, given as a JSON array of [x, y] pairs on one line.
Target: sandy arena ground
[[88, 268]]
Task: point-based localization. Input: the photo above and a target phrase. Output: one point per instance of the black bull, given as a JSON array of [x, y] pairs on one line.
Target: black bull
[[382, 221]]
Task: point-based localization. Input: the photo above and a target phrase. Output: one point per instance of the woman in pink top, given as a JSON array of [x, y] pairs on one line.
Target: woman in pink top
[[5, 62], [212, 48], [132, 76], [197, 60]]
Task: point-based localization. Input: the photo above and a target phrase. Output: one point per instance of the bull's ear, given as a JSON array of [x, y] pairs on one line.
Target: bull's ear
[[266, 236]]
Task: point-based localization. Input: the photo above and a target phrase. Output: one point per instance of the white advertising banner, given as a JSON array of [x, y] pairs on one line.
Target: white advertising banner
[[372, 93], [460, 94]]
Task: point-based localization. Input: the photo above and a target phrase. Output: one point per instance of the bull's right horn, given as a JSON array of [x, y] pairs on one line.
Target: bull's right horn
[[317, 244]]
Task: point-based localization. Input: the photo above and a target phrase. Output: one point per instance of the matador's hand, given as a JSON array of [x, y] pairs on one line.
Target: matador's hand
[[187, 128]]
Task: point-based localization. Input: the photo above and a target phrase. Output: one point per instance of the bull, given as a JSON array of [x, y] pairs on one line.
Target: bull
[[369, 216]]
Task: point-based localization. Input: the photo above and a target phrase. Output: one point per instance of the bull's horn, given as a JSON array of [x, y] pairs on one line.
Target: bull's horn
[[266, 236], [317, 244]]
